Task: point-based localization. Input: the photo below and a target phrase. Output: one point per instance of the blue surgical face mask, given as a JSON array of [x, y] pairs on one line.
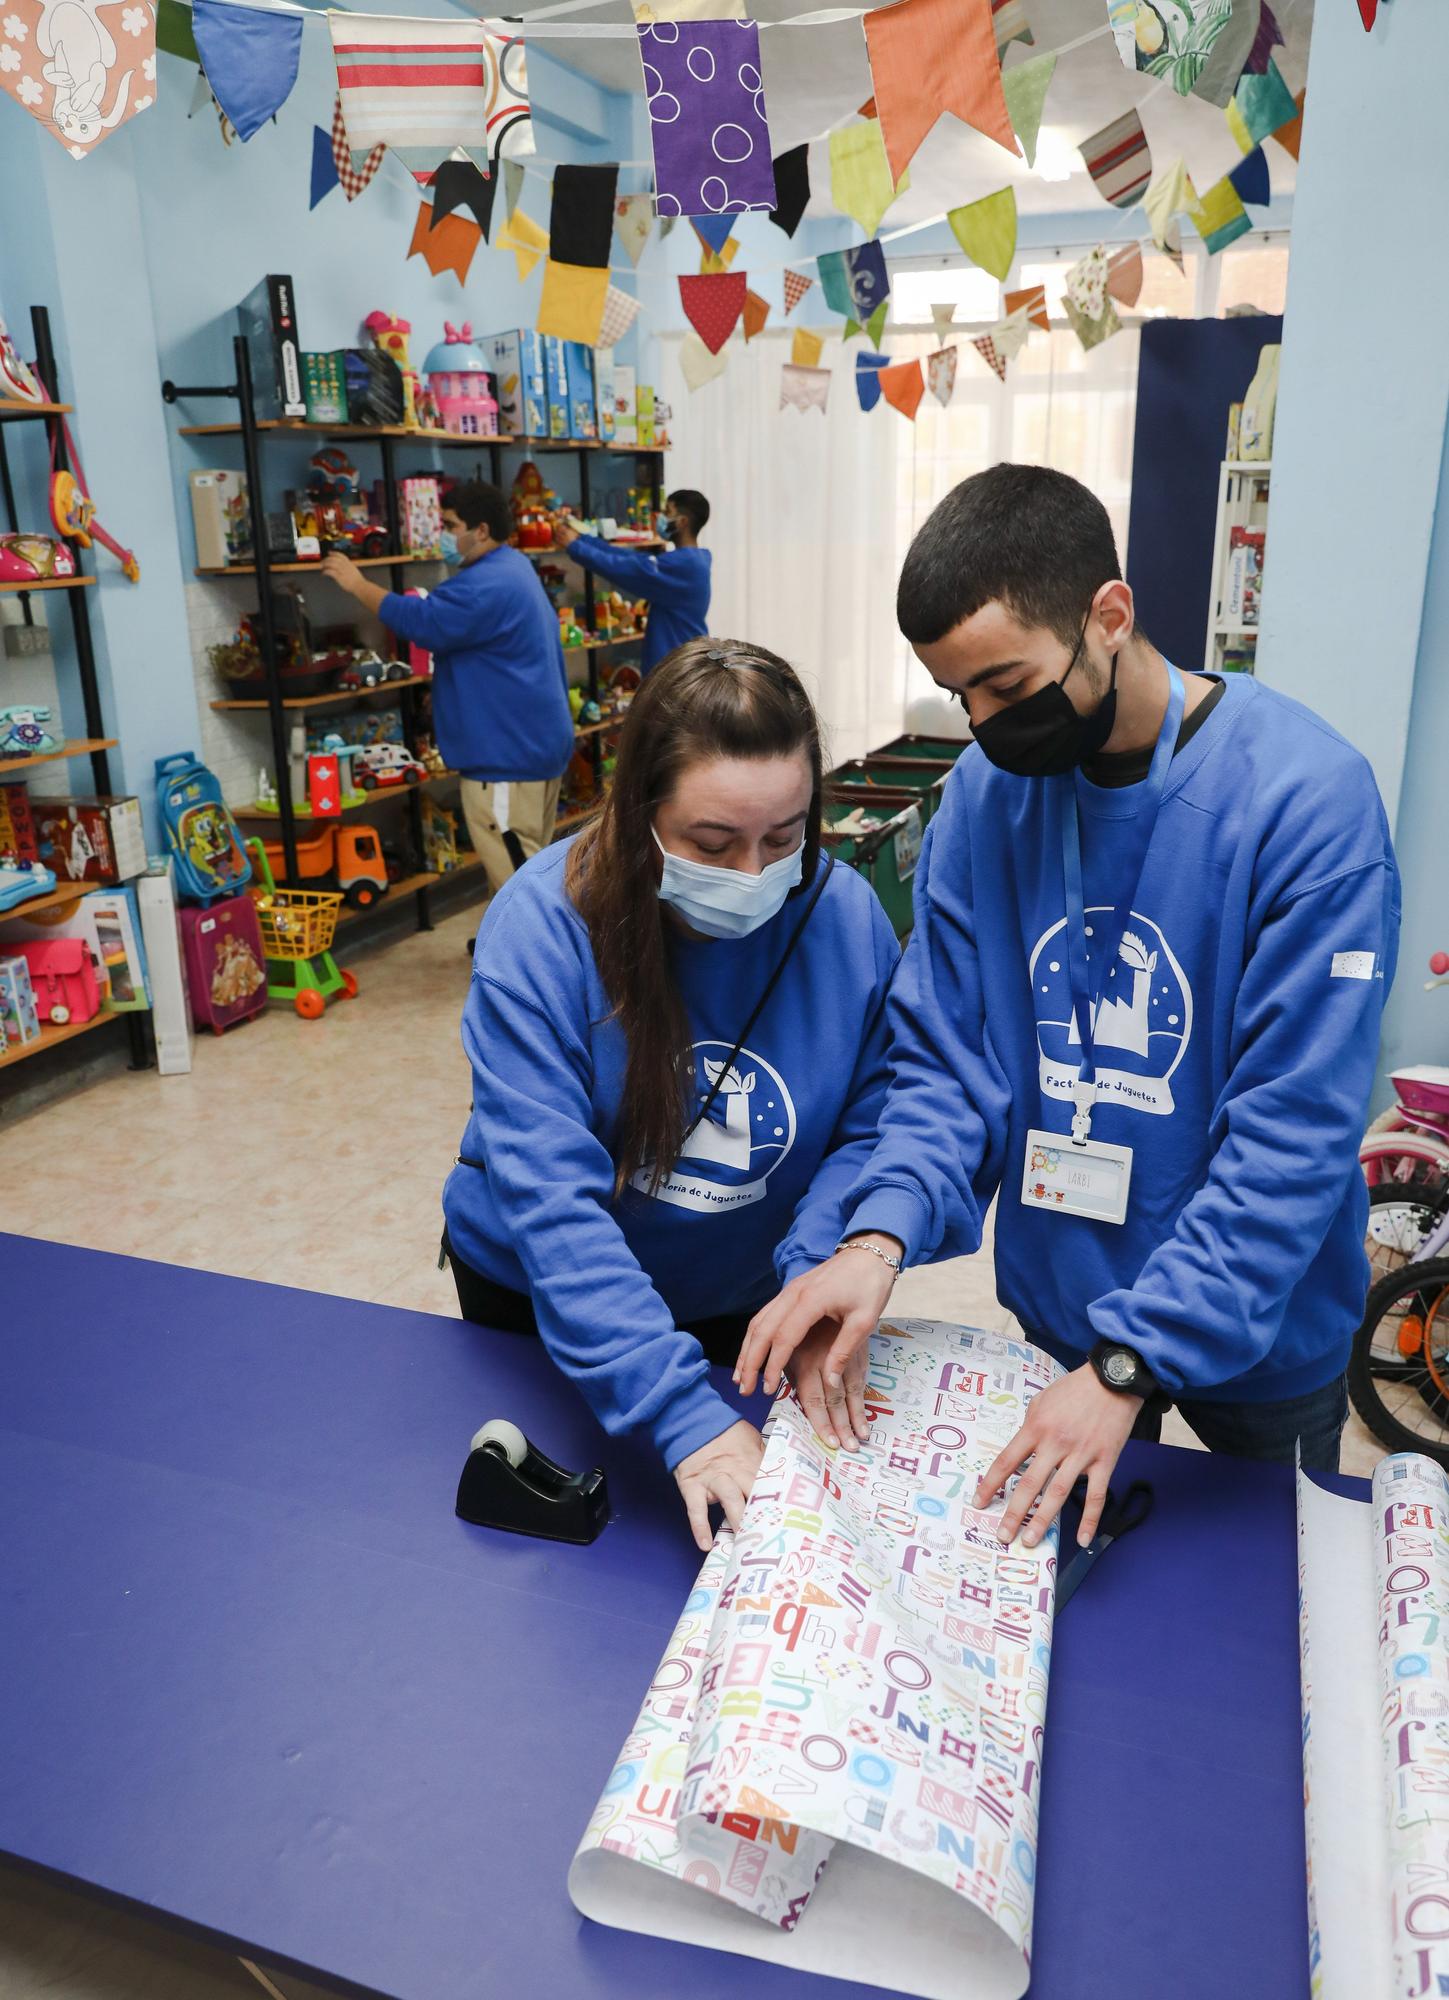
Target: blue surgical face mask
[[726, 902], [666, 528], [448, 543]]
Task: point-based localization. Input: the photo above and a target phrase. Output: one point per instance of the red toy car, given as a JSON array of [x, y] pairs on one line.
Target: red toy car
[[382, 764]]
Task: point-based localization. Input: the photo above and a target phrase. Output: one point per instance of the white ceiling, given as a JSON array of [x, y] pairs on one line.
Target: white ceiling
[[817, 76]]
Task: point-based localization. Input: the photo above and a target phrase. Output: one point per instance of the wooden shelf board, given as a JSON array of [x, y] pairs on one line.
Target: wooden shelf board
[[51, 1037], [381, 795], [554, 550], [293, 427], [81, 747], [52, 583], [12, 410], [56, 899], [408, 886], [314, 568], [336, 700]]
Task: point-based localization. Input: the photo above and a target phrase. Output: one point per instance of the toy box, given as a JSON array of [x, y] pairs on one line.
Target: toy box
[[516, 361], [422, 516], [626, 415], [118, 926], [324, 384], [91, 840], [17, 824], [19, 1021], [226, 976], [1245, 577], [604, 394], [267, 317], [579, 362], [160, 932], [644, 406], [221, 517], [556, 385]]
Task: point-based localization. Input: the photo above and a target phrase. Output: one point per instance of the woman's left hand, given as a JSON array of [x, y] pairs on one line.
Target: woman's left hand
[[835, 1404]]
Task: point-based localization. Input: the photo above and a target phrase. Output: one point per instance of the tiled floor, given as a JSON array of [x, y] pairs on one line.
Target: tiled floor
[[309, 1154]]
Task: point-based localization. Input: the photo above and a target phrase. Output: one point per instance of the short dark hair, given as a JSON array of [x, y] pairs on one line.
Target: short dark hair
[[1032, 539], [687, 501], [479, 505]]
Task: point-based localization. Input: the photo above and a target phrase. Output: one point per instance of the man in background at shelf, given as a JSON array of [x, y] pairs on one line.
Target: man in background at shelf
[[676, 584], [500, 686]]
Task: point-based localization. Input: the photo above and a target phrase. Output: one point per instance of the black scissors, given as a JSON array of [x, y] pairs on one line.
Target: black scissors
[[1118, 1518]]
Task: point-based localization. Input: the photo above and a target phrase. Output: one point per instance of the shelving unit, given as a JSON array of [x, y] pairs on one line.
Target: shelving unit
[[1242, 503], [255, 432], [87, 746], [50, 1038], [48, 583]]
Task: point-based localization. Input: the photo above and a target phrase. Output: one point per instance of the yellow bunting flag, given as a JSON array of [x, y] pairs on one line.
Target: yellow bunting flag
[[986, 230], [572, 306], [522, 235], [806, 348], [860, 176]]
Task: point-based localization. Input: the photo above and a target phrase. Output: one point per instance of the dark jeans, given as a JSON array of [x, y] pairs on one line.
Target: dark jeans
[[488, 1304]]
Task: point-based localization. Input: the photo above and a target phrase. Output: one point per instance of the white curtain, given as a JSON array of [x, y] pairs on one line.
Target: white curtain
[[812, 515]]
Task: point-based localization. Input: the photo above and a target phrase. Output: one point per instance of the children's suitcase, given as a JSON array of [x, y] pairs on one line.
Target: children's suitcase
[[226, 972], [201, 835]]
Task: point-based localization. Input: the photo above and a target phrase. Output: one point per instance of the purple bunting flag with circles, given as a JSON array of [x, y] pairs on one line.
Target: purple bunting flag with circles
[[707, 117]]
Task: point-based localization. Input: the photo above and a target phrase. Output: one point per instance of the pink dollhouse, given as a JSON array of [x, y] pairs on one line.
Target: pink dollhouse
[[461, 384]]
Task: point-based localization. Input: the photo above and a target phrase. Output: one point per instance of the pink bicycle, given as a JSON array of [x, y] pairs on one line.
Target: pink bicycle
[[1405, 1157]]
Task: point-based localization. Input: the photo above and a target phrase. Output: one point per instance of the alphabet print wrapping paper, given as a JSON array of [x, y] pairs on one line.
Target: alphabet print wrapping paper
[[837, 1765]]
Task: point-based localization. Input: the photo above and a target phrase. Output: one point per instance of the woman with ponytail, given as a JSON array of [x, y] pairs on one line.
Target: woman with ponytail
[[675, 1024]]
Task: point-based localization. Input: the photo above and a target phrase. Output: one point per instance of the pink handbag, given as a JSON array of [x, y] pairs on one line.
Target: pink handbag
[[64, 980]]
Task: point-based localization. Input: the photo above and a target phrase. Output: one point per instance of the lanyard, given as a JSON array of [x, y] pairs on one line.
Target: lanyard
[[1108, 938]]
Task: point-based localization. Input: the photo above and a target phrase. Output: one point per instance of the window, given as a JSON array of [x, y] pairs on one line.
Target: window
[[975, 294], [1254, 275]]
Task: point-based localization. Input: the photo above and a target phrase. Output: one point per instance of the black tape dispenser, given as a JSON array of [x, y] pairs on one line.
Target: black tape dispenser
[[509, 1484]]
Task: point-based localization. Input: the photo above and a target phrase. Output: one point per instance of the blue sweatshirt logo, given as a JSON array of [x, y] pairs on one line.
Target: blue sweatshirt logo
[[747, 1132], [1142, 1025]]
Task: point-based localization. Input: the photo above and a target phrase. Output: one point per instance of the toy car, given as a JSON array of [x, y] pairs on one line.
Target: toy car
[[357, 538], [383, 764]]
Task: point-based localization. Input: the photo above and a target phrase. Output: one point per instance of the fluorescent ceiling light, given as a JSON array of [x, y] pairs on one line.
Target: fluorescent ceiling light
[[1057, 159]]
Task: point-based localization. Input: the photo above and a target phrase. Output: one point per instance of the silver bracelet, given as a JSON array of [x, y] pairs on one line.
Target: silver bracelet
[[858, 1243]]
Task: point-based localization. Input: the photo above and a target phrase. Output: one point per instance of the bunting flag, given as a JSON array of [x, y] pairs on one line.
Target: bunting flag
[[250, 58], [76, 77], [757, 311], [1031, 302], [1124, 274], [835, 282], [867, 378], [986, 347], [806, 348], [324, 167], [860, 175], [928, 57], [1025, 88], [714, 231], [1228, 57], [873, 328], [512, 186], [354, 170], [707, 117], [444, 246], [941, 319], [796, 286], [1220, 217], [699, 363], [621, 309], [713, 305], [1010, 335], [633, 220], [1250, 178], [522, 235], [941, 374], [1009, 24], [902, 384], [449, 84], [986, 230], [1173, 42], [867, 278], [804, 388], [1087, 283], [173, 31], [1290, 136], [1260, 105], [581, 218], [459, 184], [572, 303], [689, 10], [1118, 160], [1092, 332], [792, 189], [1171, 194], [1368, 13], [1268, 38], [718, 260]]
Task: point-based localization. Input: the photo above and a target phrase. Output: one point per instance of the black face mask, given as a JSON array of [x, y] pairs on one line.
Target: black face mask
[[1045, 736]]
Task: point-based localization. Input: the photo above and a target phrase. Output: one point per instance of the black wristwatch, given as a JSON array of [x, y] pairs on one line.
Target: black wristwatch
[[1123, 1370]]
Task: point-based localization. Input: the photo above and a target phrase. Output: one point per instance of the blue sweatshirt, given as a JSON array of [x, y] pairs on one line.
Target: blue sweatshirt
[[615, 1288], [676, 585], [500, 688], [1260, 948]]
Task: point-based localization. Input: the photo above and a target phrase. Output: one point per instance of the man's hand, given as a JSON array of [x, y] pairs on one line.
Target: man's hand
[[1075, 1427], [847, 1294], [720, 1474], [565, 531], [343, 572], [836, 1409]]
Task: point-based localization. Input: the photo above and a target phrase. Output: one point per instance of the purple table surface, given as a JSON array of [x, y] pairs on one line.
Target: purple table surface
[[258, 1680]]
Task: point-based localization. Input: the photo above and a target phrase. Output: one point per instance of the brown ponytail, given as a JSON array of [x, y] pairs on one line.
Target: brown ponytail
[[709, 699]]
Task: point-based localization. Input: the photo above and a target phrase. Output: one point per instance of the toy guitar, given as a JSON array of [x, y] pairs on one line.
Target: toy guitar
[[73, 512]]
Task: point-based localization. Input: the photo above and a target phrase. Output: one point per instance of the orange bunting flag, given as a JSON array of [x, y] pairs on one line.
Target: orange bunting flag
[[447, 245], [757, 311], [931, 56], [1290, 136], [1124, 274], [1033, 297], [903, 385]]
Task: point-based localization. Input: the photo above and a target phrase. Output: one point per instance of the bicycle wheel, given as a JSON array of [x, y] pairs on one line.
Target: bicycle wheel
[[1400, 1219], [1398, 1372]]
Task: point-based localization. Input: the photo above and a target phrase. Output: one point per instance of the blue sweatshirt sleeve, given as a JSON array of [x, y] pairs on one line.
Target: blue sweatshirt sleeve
[[642, 574], [600, 1318], [1284, 1136], [931, 1177], [446, 620], [820, 1216]]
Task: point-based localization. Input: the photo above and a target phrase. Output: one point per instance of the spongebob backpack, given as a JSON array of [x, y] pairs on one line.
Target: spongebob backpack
[[201, 835]]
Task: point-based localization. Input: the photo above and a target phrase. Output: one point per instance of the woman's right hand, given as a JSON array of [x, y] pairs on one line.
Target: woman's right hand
[[720, 1474]]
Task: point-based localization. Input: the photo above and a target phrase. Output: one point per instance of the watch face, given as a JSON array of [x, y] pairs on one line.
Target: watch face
[[1120, 1368]]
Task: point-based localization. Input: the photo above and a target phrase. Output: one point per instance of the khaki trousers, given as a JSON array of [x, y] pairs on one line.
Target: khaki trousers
[[508, 823]]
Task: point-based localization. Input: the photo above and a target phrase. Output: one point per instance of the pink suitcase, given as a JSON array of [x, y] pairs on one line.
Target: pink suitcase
[[226, 970]]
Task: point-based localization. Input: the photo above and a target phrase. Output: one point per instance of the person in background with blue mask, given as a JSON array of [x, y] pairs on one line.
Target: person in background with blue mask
[[676, 1028], [500, 688], [677, 584]]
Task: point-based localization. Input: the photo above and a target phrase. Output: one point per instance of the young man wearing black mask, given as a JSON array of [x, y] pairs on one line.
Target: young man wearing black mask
[[1199, 869]]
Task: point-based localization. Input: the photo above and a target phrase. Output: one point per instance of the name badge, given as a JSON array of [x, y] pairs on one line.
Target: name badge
[[1090, 1179]]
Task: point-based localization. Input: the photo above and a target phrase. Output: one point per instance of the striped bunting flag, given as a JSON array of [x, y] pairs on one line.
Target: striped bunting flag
[[424, 87], [1118, 160]]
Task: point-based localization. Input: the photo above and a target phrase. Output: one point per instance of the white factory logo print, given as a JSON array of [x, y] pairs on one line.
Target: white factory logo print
[[1143, 1021], [735, 1147]]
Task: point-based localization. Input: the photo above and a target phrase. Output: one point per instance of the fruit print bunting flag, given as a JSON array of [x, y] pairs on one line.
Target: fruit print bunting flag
[[941, 374], [633, 222], [1167, 40]]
